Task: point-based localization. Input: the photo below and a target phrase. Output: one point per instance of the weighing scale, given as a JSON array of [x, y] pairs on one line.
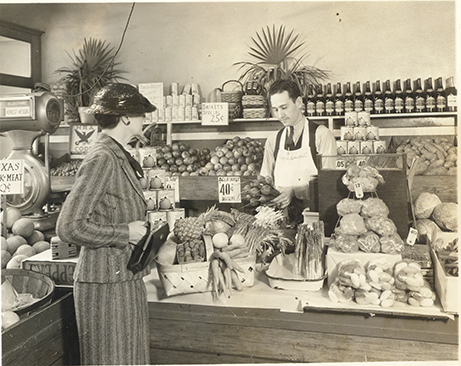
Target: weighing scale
[[23, 118]]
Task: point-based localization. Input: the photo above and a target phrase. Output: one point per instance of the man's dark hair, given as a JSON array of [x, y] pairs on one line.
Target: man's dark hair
[[279, 86]]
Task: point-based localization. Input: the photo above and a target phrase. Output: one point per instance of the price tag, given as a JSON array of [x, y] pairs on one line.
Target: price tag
[[361, 162], [412, 236], [173, 183], [12, 176], [215, 114], [229, 190], [358, 190], [340, 164]]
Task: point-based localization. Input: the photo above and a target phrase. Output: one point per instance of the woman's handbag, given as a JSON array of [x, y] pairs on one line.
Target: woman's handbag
[[147, 248]]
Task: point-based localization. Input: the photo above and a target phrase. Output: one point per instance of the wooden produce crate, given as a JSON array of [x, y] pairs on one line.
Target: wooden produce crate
[[447, 286]]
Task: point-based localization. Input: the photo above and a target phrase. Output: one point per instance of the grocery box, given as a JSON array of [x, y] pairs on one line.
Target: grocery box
[[333, 258], [61, 271], [446, 286]]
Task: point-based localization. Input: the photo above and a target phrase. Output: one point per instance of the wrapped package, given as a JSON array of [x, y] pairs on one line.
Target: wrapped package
[[344, 243], [340, 293], [381, 225], [352, 224], [408, 276], [367, 176], [348, 205], [379, 274], [351, 273], [425, 296], [391, 244], [369, 242], [374, 206]]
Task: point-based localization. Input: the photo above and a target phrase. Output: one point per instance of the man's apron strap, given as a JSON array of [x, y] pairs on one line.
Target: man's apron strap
[[312, 128]]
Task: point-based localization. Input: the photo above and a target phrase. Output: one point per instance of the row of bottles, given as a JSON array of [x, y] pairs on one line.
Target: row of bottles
[[397, 98]]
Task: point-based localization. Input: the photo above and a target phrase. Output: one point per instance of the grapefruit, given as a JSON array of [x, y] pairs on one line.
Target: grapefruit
[[237, 239], [6, 256], [220, 240], [9, 318], [41, 246], [14, 242], [15, 262], [24, 227], [25, 249], [12, 215], [4, 243], [35, 237]]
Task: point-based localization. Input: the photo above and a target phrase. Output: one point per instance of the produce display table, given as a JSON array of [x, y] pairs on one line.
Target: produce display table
[[262, 325]]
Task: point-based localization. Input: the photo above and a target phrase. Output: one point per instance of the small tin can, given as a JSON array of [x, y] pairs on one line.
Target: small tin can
[[372, 133], [168, 114], [194, 88], [188, 113], [379, 146], [169, 101], [196, 99], [165, 199], [154, 115], [195, 114], [366, 147], [174, 88], [189, 100], [363, 119], [155, 216], [174, 113], [151, 198], [161, 114], [156, 173], [350, 119], [353, 147], [347, 133], [186, 89], [360, 133], [173, 215], [176, 100], [181, 113], [182, 100], [341, 147]]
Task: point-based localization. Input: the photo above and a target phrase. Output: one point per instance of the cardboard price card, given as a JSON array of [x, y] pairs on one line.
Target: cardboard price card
[[12, 176], [215, 114], [229, 190]]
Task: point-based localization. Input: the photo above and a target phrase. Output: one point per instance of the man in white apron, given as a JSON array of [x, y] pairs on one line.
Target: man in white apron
[[290, 154]]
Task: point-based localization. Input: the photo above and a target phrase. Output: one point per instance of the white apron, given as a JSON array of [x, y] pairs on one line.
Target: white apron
[[294, 168]]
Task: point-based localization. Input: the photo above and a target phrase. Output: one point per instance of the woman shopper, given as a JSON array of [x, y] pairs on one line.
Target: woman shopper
[[105, 215]]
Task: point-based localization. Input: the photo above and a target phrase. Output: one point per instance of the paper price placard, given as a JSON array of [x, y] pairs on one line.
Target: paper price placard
[[215, 114], [12, 176], [229, 190], [173, 183], [153, 92]]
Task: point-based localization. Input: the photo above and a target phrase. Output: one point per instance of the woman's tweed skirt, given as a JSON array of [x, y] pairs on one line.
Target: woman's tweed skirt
[[113, 323]]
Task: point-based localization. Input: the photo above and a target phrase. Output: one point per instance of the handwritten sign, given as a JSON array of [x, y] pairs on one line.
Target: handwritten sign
[[173, 183], [12, 176], [229, 189], [82, 138], [215, 114], [153, 92]]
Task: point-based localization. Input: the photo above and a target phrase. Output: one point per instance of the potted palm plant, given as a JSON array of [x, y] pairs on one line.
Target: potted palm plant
[[276, 56], [92, 67]]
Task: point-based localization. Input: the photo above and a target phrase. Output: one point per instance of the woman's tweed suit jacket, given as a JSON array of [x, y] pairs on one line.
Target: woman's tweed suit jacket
[[105, 197]]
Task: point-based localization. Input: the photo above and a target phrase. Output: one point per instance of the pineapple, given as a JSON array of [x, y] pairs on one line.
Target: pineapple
[[189, 228], [192, 228]]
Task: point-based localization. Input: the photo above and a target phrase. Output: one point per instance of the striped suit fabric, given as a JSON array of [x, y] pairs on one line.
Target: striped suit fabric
[[110, 302]]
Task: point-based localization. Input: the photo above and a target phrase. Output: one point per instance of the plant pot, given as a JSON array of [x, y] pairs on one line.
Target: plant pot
[[86, 118]]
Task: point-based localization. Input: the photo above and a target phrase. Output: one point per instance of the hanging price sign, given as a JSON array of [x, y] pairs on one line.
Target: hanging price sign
[[215, 114], [358, 190], [229, 190], [412, 236], [340, 164], [361, 162]]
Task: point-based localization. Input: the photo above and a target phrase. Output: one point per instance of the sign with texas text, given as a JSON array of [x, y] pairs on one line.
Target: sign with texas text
[[12, 176]]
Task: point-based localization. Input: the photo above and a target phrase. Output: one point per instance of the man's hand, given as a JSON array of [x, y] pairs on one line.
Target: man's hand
[[137, 230], [284, 199]]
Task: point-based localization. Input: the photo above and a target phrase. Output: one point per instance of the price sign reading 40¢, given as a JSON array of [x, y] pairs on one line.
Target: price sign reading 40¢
[[215, 114], [229, 190]]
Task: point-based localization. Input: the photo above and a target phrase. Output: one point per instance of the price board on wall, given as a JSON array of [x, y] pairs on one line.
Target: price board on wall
[[82, 138], [153, 92], [215, 114]]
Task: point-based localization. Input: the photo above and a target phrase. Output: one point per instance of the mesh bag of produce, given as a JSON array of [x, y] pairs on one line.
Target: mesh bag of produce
[[374, 206], [351, 273], [340, 293], [352, 224], [348, 205], [381, 225], [391, 244], [344, 243], [408, 276], [369, 242]]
